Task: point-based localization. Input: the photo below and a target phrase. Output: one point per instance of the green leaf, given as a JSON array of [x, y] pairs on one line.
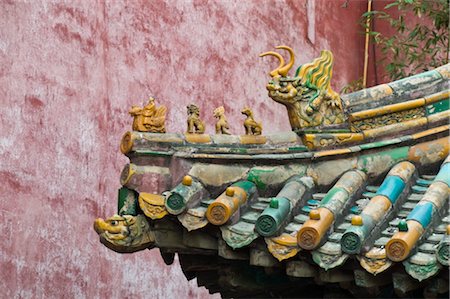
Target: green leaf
[[371, 13], [391, 5], [423, 45]]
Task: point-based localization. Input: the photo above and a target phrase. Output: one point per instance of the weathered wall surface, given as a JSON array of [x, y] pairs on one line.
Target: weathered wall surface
[[70, 70]]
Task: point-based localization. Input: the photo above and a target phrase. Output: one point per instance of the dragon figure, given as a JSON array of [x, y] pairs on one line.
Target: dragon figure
[[308, 96], [125, 233]]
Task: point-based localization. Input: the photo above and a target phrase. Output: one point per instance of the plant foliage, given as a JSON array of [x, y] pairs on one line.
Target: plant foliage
[[415, 46]]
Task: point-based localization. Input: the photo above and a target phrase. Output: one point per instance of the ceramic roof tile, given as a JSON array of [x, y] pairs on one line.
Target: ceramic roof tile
[[315, 198]]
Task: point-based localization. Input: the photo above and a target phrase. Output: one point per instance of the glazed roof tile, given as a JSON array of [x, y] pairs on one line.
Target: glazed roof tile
[[333, 208], [241, 233]]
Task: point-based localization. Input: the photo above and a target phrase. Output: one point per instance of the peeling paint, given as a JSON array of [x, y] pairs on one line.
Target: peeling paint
[[376, 164], [272, 176], [218, 175], [325, 173]]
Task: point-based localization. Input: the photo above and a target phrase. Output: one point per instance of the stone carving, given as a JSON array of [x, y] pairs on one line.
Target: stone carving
[[194, 124], [222, 123], [251, 126], [125, 233], [149, 118], [308, 96]]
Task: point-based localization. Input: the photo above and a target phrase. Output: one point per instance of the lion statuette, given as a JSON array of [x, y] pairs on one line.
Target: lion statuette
[[194, 124]]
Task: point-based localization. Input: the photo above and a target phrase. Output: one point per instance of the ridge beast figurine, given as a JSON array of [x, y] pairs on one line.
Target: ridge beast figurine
[[149, 118], [359, 187], [251, 126], [222, 123], [308, 96], [194, 124], [124, 233]]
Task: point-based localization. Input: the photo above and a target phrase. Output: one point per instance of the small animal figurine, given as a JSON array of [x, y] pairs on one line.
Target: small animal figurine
[[138, 119], [222, 123], [149, 118], [194, 124], [251, 126]]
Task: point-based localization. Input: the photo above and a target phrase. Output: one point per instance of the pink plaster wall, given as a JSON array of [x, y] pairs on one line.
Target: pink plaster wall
[[69, 71]]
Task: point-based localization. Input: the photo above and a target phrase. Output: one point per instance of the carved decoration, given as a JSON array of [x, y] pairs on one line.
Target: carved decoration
[[350, 241], [218, 213], [250, 125], [308, 238], [375, 265], [442, 252], [194, 124], [192, 222], [308, 96], [222, 123], [397, 250], [281, 251], [388, 119], [152, 205], [125, 233], [328, 261], [149, 118], [421, 272], [266, 224], [236, 240], [313, 141]]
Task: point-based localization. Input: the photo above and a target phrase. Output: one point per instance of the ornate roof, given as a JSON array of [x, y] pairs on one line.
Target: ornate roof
[[360, 199]]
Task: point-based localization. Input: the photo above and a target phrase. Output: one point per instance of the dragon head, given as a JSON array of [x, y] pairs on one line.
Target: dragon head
[[308, 97], [281, 88], [125, 233]]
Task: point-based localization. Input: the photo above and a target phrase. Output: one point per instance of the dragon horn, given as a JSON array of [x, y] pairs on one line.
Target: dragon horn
[[280, 58], [285, 69]]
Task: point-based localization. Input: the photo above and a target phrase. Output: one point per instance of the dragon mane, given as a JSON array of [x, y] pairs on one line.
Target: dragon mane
[[318, 72]]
